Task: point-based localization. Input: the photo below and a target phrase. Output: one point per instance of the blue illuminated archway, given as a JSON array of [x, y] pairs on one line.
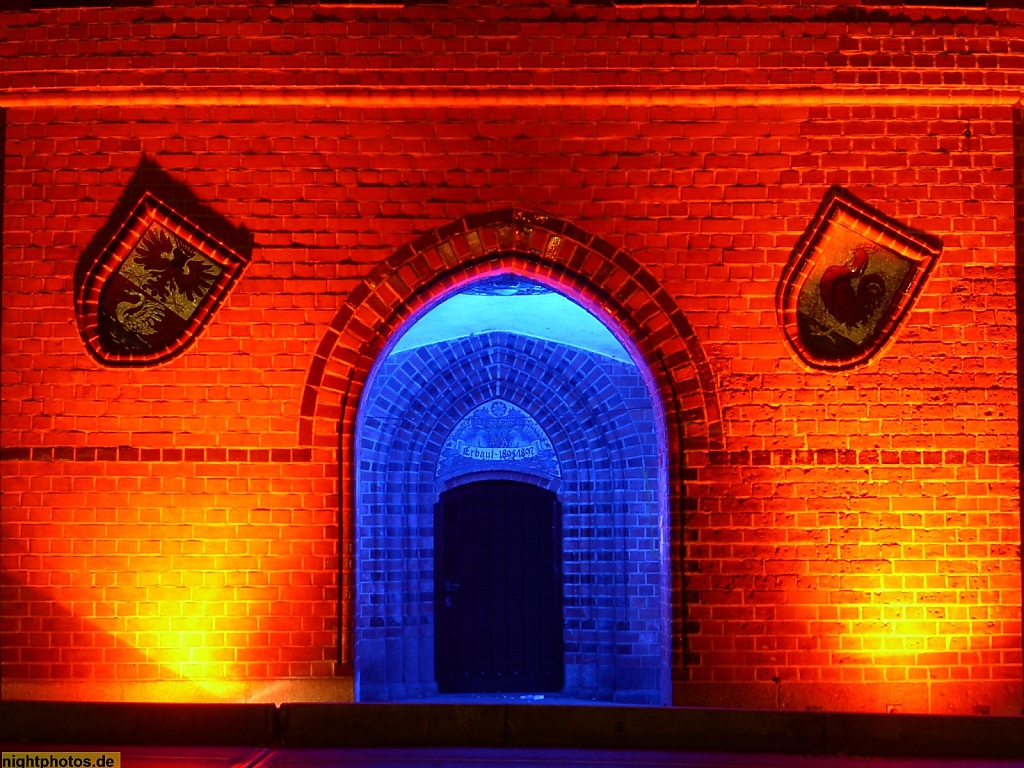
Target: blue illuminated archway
[[604, 432]]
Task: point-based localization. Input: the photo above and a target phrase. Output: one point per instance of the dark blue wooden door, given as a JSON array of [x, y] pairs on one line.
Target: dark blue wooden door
[[498, 589]]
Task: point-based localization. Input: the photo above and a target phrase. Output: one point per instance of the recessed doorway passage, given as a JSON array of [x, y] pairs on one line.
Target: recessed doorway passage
[[511, 508], [498, 589]]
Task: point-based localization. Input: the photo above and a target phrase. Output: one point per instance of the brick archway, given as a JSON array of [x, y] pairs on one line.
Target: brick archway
[[596, 274]]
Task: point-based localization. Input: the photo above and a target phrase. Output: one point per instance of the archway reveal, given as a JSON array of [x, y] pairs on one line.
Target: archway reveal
[[523, 414], [596, 274]]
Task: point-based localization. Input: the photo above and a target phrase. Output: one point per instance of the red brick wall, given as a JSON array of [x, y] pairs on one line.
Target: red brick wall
[[850, 541]]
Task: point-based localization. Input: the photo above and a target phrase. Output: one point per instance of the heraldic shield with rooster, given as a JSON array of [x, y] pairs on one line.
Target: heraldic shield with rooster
[[154, 287], [850, 283]]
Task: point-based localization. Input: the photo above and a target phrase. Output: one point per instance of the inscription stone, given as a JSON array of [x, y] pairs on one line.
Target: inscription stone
[[494, 434]]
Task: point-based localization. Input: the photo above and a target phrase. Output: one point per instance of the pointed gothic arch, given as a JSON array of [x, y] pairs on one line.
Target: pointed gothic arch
[[602, 278]]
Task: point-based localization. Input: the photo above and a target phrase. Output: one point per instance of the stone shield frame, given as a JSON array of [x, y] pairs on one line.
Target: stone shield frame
[[850, 282], [604, 279], [170, 303]]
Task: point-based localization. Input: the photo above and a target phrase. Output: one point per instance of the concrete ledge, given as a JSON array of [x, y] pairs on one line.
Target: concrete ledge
[[665, 728], [409, 725], [924, 735], [501, 725], [207, 725], [393, 725]]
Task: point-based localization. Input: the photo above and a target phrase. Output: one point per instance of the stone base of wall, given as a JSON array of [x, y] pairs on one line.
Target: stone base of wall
[[947, 698], [338, 689]]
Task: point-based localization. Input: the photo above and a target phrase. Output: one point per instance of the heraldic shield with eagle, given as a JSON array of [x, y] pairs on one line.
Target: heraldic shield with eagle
[[153, 289], [849, 283]]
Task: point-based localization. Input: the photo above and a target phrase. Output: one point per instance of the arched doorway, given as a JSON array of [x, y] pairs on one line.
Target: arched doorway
[[507, 414], [561, 255]]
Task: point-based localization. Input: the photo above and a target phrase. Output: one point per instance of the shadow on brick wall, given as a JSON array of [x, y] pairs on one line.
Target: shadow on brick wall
[[150, 177], [48, 641]]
